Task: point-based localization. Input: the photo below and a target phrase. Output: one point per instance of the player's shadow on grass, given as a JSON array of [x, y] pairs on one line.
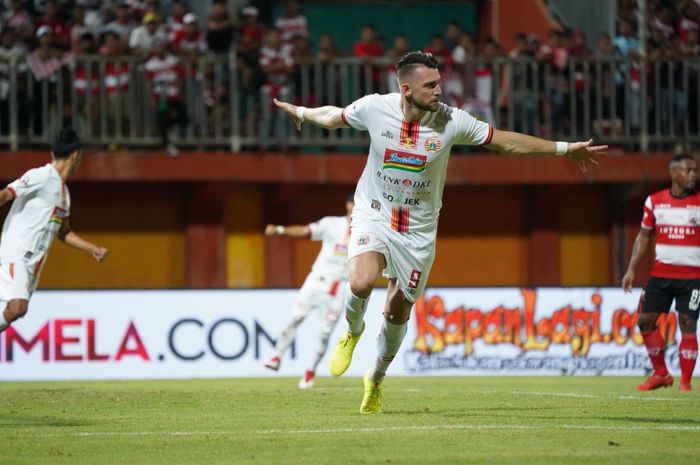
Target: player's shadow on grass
[[22, 420]]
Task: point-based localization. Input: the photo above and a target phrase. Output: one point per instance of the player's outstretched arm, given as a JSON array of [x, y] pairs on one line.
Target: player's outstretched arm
[[291, 231], [641, 245], [327, 117], [5, 196], [72, 239], [524, 145]]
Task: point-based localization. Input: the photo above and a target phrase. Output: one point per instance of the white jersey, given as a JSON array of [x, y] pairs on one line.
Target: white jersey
[[403, 180], [332, 260], [41, 204]]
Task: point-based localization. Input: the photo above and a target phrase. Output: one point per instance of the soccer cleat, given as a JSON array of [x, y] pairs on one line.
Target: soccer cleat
[[655, 381], [273, 363], [342, 354], [372, 401], [685, 386], [307, 380]]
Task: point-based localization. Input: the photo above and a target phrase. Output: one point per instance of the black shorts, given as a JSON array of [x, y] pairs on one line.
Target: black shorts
[[661, 292]]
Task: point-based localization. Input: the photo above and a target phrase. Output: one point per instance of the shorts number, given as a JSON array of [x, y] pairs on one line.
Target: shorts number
[[694, 300], [414, 280]]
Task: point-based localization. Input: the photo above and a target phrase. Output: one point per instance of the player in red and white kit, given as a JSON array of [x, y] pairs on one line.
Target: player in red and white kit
[[39, 213], [398, 197], [323, 288], [673, 215]]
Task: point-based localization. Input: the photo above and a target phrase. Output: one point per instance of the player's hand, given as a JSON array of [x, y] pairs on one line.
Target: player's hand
[[100, 253], [627, 281], [291, 111], [584, 152], [270, 230]]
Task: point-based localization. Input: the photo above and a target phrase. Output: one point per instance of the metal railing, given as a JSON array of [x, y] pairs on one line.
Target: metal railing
[[641, 104]]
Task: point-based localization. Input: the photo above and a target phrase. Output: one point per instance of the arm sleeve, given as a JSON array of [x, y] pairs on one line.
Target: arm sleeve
[[469, 130], [318, 229], [355, 114], [648, 220], [28, 184]]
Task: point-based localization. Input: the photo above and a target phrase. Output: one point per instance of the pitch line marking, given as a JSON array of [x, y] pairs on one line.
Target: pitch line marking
[[369, 430], [591, 396]]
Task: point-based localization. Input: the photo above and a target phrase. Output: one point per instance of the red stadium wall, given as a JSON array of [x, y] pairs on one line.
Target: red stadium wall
[[197, 221]]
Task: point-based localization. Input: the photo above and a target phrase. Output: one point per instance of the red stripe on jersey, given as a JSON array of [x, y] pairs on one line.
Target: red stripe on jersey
[[395, 218], [37, 267], [12, 191], [404, 216], [12, 271], [664, 270], [489, 136], [342, 116], [333, 289], [414, 130], [400, 219], [404, 131]]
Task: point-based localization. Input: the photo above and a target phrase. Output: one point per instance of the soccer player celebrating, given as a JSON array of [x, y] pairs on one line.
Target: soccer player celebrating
[[323, 288], [398, 197], [40, 212], [674, 216]]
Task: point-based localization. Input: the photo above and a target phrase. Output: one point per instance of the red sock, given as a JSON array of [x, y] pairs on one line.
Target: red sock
[[656, 347], [688, 352]]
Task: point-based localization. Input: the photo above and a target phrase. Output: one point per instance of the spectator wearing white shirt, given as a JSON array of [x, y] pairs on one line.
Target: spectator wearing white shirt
[[143, 38]]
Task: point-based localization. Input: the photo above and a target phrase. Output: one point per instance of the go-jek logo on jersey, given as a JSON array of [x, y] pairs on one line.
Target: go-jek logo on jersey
[[398, 160]]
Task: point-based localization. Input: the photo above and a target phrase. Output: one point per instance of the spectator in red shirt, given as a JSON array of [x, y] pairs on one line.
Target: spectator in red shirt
[[189, 42], [60, 29], [369, 48]]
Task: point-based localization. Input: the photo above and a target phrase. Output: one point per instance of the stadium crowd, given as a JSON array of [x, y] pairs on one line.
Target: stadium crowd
[[167, 41]]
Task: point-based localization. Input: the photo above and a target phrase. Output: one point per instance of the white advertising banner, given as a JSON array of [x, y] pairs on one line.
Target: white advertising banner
[[230, 333]]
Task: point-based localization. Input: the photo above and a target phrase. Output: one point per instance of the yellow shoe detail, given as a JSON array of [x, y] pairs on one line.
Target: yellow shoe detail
[[372, 401], [342, 354]]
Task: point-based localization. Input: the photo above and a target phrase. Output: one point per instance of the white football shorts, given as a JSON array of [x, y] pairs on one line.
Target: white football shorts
[[322, 294], [16, 282], [409, 256]]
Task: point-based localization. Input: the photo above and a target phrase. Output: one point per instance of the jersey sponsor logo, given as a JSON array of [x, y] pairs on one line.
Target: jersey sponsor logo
[[376, 205], [340, 250], [399, 200], [388, 135], [676, 232], [398, 160], [405, 186], [432, 144], [58, 215]]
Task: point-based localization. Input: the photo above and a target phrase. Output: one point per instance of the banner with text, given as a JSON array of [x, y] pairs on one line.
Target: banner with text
[[230, 333]]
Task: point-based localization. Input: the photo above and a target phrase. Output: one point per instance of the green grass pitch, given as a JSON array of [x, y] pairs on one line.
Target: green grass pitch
[[480, 420]]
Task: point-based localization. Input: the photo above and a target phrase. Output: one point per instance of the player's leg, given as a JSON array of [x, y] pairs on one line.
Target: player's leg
[[408, 273], [302, 307], [656, 299], [15, 290], [364, 270], [688, 306], [14, 310], [396, 313], [330, 314]]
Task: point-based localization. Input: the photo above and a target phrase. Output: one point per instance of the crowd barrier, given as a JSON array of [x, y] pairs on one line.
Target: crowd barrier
[[645, 104]]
